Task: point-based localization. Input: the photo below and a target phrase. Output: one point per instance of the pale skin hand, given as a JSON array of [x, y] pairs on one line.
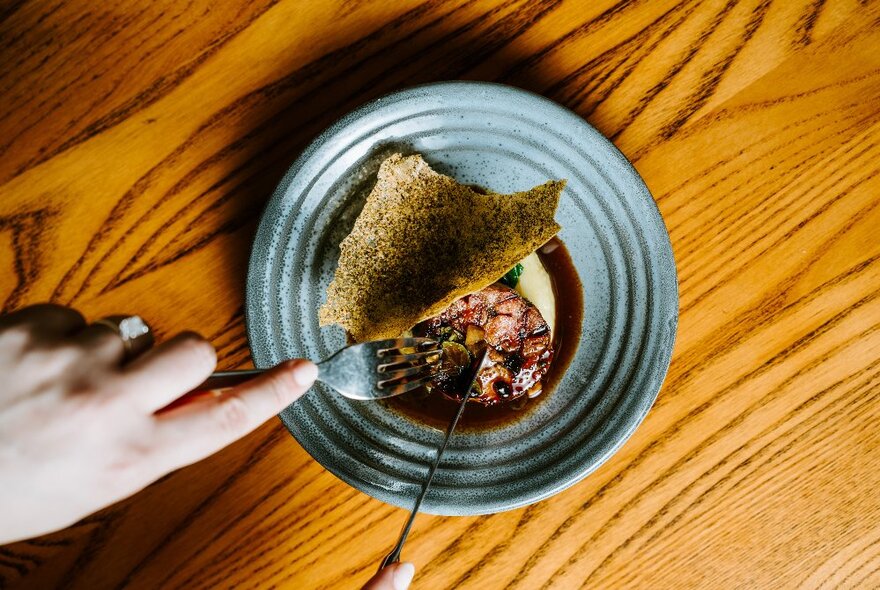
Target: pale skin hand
[[79, 429]]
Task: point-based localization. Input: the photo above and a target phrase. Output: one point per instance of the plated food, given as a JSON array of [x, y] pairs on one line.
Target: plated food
[[433, 257], [612, 240]]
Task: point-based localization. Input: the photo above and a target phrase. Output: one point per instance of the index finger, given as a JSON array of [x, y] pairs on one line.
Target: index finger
[[169, 370], [191, 432]]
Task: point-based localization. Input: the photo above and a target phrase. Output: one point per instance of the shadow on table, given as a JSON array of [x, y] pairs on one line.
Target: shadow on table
[[276, 122]]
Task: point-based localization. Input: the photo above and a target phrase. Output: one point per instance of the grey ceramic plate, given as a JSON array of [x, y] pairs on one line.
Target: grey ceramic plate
[[504, 139]]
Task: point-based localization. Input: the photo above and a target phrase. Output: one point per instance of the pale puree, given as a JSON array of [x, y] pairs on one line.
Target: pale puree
[[534, 284]]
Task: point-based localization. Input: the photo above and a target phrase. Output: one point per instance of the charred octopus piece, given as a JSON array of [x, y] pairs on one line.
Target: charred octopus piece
[[518, 338]]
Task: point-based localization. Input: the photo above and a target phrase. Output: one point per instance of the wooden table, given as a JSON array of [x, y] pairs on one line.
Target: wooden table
[[140, 142]]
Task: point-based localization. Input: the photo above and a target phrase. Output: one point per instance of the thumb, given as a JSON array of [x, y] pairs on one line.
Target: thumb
[[396, 576]]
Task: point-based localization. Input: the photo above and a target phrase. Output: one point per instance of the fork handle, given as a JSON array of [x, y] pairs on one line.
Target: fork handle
[[217, 380], [225, 379]]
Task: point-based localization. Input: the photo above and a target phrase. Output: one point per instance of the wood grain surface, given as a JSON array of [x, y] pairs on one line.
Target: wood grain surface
[[139, 142]]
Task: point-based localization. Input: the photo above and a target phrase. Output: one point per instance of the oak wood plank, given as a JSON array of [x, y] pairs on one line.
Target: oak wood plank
[[140, 141]]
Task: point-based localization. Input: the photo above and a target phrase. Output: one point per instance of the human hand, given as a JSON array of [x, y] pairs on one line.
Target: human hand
[[396, 576], [79, 429]]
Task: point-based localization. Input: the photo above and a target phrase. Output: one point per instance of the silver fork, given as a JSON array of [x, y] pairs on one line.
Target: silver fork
[[367, 371]]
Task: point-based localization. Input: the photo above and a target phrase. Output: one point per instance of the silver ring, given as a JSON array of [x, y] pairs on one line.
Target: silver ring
[[134, 332]]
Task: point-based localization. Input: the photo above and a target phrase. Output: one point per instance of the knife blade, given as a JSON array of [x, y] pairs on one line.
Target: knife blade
[[394, 555]]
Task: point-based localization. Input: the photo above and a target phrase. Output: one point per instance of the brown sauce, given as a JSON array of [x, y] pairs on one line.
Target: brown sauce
[[437, 411]]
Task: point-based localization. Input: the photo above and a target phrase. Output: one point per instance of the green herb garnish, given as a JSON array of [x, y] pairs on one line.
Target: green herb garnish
[[450, 334], [512, 277]]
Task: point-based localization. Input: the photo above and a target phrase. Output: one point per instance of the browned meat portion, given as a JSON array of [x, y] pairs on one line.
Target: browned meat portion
[[520, 346]]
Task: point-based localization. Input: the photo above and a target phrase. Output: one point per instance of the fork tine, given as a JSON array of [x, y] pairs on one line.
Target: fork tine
[[389, 361], [386, 347], [408, 371], [403, 387]]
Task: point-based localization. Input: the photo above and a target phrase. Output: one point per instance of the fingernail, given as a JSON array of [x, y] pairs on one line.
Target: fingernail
[[403, 575], [305, 373]]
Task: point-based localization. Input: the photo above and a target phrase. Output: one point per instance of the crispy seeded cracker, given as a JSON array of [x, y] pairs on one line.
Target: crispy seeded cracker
[[423, 240]]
